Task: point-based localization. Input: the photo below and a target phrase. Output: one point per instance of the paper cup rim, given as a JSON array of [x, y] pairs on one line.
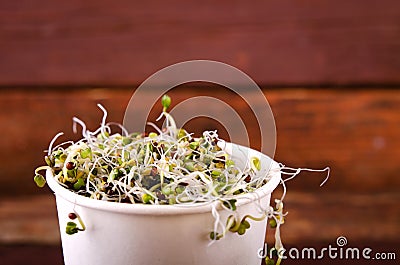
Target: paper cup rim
[[176, 209]]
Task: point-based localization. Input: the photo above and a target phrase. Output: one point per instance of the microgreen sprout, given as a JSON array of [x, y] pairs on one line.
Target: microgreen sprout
[[230, 204], [240, 226], [166, 102], [255, 163], [39, 180], [168, 166], [72, 227]]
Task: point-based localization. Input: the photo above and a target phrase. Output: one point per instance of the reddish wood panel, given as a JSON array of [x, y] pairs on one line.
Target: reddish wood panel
[[355, 132], [123, 42]]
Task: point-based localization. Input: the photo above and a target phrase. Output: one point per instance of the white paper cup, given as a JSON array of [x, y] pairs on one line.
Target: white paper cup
[[139, 234]]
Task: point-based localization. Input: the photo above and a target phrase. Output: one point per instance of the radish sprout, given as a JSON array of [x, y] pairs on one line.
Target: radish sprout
[[167, 167]]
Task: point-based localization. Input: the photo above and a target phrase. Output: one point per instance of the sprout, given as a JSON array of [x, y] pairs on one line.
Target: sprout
[[169, 166], [230, 204], [166, 102], [39, 180], [147, 198], [272, 223], [269, 261], [255, 163], [72, 227], [79, 184], [86, 153]]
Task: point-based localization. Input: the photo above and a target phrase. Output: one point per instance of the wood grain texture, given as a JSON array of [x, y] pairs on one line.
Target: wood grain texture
[[353, 132], [123, 42]]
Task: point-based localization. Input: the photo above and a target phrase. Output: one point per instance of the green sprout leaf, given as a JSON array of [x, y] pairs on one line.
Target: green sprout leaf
[[272, 223], [255, 163], [48, 161], [79, 184], [194, 145], [166, 102], [230, 204], [269, 261], [182, 134], [241, 230], [216, 173], [39, 180], [215, 236], [147, 198], [246, 224], [71, 228], [153, 135], [86, 153], [229, 163], [126, 140]]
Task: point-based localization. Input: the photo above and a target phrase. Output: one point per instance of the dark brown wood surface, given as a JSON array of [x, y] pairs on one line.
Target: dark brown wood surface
[[355, 132], [123, 42]]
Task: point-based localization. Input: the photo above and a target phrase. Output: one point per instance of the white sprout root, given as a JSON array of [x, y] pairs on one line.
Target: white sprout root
[[166, 167]]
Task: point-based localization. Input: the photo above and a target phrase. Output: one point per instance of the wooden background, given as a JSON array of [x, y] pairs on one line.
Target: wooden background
[[329, 69], [121, 43]]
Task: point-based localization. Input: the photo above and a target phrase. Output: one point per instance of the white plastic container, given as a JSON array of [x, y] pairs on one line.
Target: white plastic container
[[138, 234]]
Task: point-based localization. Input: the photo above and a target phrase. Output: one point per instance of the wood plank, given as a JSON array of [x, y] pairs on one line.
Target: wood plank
[[123, 42], [355, 132], [28, 220]]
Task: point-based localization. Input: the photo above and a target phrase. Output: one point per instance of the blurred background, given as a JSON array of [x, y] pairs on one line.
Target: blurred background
[[329, 69]]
